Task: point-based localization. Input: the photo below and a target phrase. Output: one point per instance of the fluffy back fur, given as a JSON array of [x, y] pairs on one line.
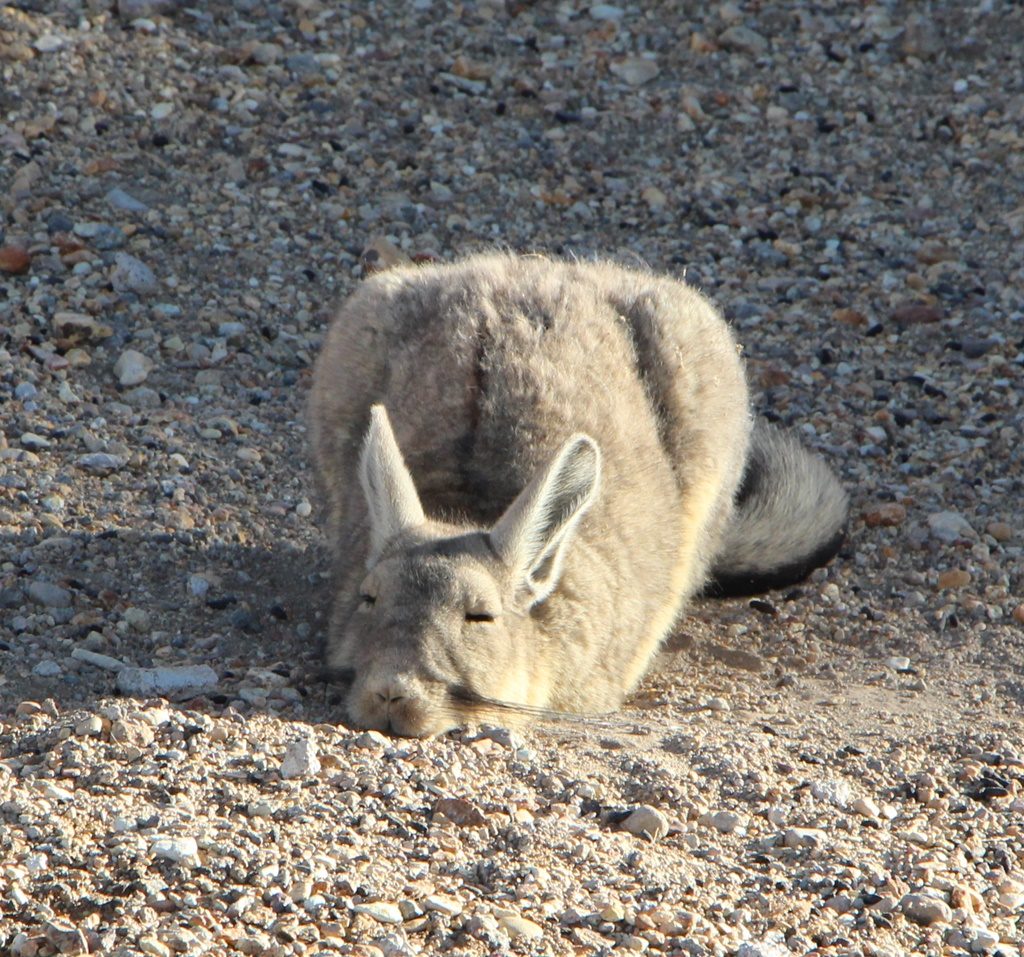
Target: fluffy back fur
[[548, 473]]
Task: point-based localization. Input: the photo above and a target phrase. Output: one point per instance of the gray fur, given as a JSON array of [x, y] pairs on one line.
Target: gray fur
[[574, 435]]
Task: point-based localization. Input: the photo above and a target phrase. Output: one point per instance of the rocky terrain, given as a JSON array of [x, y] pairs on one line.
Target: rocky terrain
[[835, 770]]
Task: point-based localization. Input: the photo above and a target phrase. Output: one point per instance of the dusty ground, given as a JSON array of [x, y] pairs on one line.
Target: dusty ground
[[834, 770]]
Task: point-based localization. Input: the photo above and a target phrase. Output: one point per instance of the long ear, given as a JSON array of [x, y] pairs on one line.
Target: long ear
[[533, 534], [390, 493]]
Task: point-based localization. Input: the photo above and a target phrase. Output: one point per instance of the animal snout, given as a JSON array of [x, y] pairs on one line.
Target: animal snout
[[399, 704], [391, 693]]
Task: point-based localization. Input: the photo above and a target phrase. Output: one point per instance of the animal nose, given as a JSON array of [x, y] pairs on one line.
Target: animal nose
[[391, 693]]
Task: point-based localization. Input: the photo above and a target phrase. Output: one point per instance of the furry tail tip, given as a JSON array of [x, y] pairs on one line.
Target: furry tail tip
[[790, 518]]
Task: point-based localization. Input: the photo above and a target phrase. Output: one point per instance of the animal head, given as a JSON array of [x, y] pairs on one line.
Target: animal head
[[446, 623]]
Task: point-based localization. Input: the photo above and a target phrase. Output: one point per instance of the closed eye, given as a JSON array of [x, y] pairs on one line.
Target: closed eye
[[479, 616]]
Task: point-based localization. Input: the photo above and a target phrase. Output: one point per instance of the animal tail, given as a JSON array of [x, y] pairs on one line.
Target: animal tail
[[790, 517]]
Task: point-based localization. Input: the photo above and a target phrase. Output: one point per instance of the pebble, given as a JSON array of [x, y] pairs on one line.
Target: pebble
[[181, 850], [954, 578], [36, 443], [646, 821], [146, 682], [132, 275], [949, 526], [91, 726], [47, 668], [798, 837], [66, 938], [101, 463], [48, 594], [154, 947], [97, 660], [865, 806], [460, 811], [773, 945], [925, 910], [606, 11], [636, 71], [916, 313], [835, 791], [49, 42], [119, 199], [441, 904], [134, 9], [101, 235], [885, 515], [132, 367], [370, 740], [300, 759], [516, 926], [384, 912], [1000, 531], [724, 821], [14, 260], [743, 40], [79, 327]]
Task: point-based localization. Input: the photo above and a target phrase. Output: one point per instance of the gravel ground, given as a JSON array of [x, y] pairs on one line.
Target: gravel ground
[[833, 770]]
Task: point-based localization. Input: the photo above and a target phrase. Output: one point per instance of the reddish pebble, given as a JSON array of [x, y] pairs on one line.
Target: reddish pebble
[[14, 259], [916, 313], [1000, 531], [954, 578], [850, 317], [885, 515]]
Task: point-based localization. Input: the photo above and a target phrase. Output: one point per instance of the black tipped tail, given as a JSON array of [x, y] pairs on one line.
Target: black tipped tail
[[790, 518]]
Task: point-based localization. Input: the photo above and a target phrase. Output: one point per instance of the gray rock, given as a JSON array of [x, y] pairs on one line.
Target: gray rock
[[11, 597], [516, 926], [300, 760], [134, 9], [178, 849], [234, 332], [119, 199], [772, 945], [634, 70], [97, 660], [925, 910], [47, 668], [646, 821], [743, 40], [385, 912], [303, 64], [166, 680], [949, 526], [100, 463], [48, 594], [132, 367], [101, 235], [25, 390], [133, 275], [33, 442], [143, 397], [724, 821]]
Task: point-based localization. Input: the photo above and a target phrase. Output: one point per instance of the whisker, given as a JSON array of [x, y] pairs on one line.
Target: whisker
[[477, 703]]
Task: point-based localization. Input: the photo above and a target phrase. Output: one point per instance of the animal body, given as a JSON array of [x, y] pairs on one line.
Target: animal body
[[530, 466]]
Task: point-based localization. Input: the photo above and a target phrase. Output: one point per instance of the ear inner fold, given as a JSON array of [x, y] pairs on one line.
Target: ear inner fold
[[391, 497], [533, 535]]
